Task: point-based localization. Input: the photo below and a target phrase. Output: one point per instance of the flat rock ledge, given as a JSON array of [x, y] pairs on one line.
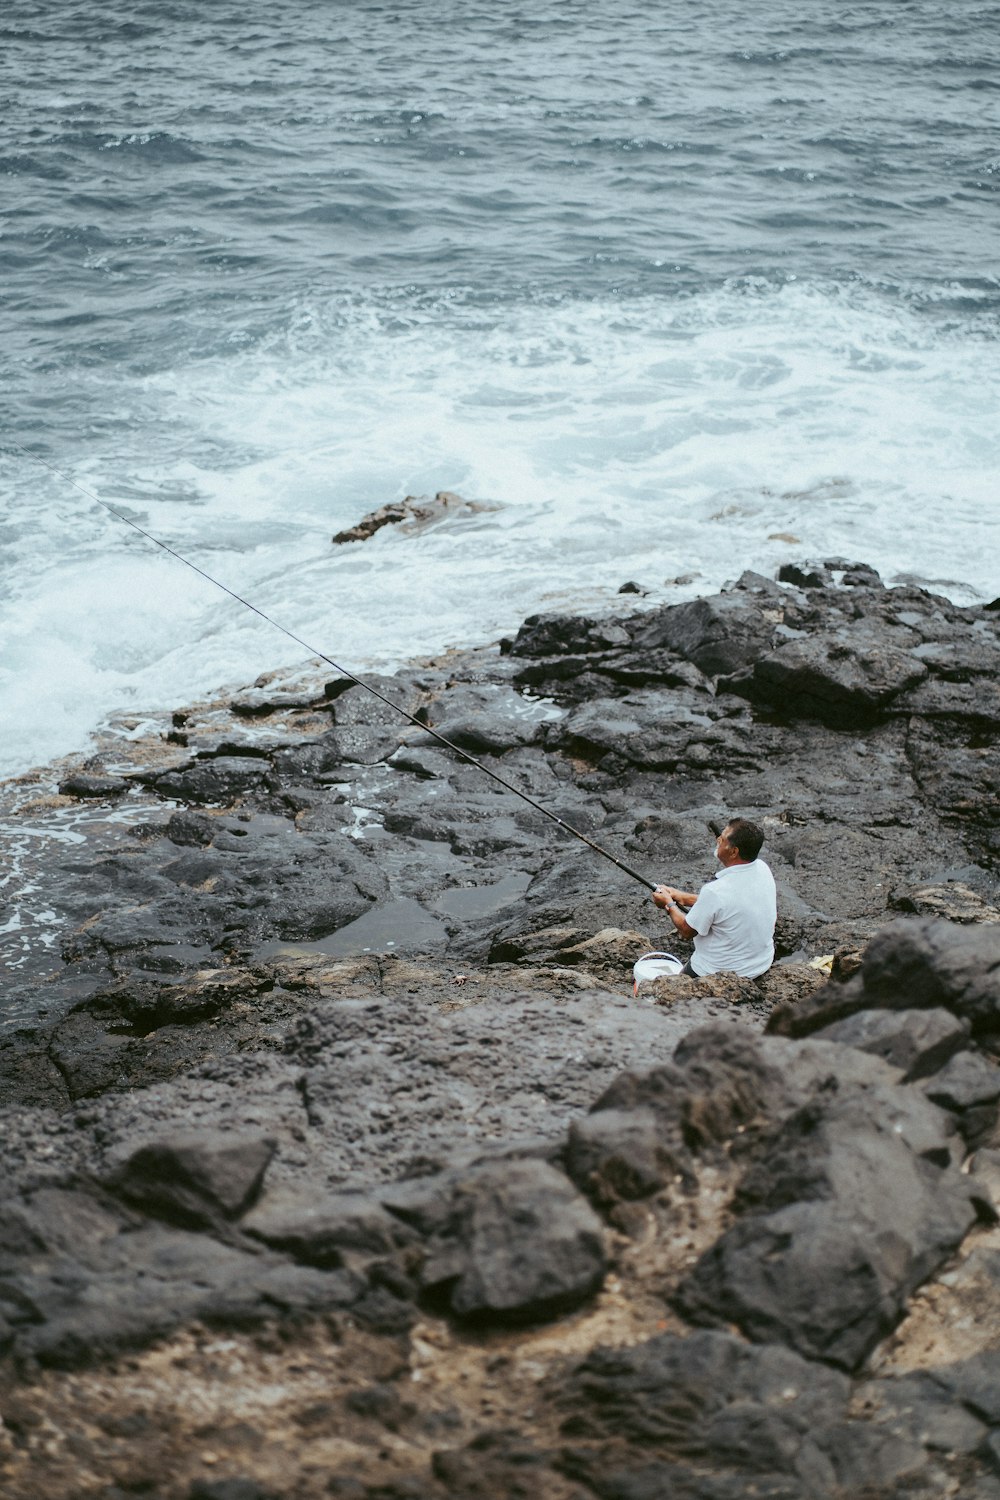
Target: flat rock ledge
[[340, 1158]]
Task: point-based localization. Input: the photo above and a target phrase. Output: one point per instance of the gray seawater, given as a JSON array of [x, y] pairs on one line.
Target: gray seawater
[[667, 283]]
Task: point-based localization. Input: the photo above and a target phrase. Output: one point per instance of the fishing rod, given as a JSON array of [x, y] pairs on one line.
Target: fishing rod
[[397, 708]]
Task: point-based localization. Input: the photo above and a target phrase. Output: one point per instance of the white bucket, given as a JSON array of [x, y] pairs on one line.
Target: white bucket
[[654, 966]]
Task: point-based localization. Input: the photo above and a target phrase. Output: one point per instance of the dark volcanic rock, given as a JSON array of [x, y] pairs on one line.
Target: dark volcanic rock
[[219, 780], [619, 1154], [321, 1049], [230, 1489], [917, 1041], [967, 1081], [805, 575], [246, 886], [969, 1086], [567, 635], [517, 1243], [718, 635], [484, 719], [719, 1081], [195, 829], [321, 1230], [183, 1277], [387, 1079], [936, 963], [82, 785], [759, 1411], [154, 1001], [844, 677], [975, 1382], [367, 730], [495, 1463], [196, 1177], [842, 1221], [911, 964], [84, 1279]]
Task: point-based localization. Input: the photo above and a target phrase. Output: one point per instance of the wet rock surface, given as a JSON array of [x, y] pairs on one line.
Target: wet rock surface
[[340, 1158], [415, 513]]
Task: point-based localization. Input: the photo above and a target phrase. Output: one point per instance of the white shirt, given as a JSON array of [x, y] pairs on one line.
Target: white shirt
[[734, 918]]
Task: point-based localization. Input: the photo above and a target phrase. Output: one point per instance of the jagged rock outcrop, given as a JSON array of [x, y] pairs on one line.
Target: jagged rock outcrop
[[337, 1094]]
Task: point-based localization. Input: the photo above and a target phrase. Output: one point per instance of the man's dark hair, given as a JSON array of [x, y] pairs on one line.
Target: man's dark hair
[[745, 837]]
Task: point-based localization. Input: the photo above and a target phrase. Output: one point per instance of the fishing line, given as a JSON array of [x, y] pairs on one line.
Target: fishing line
[[425, 728]]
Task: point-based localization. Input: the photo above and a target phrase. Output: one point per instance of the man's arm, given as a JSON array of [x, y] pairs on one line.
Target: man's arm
[[670, 892], [667, 898]]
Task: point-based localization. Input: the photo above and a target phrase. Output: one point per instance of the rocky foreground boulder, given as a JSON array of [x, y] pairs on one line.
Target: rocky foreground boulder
[[341, 1160]]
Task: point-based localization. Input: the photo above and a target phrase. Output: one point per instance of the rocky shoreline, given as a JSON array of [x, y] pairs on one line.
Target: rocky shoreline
[[340, 1159]]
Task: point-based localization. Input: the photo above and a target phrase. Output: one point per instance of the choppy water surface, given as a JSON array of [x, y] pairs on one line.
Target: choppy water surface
[[669, 284]]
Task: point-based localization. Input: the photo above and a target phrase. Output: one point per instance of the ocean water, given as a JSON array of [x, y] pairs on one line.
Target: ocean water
[[679, 289]]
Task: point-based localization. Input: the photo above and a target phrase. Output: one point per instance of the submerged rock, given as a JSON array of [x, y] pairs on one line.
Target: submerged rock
[[415, 513]]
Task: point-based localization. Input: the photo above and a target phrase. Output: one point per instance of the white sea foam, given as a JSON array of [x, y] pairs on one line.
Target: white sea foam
[[620, 440]]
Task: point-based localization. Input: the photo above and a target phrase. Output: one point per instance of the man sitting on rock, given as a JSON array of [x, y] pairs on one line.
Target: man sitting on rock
[[732, 917]]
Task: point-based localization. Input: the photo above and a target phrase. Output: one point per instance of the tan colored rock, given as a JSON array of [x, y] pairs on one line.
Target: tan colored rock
[[847, 960], [790, 982], [782, 983], [731, 987], [611, 948], [322, 975], [954, 901]]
